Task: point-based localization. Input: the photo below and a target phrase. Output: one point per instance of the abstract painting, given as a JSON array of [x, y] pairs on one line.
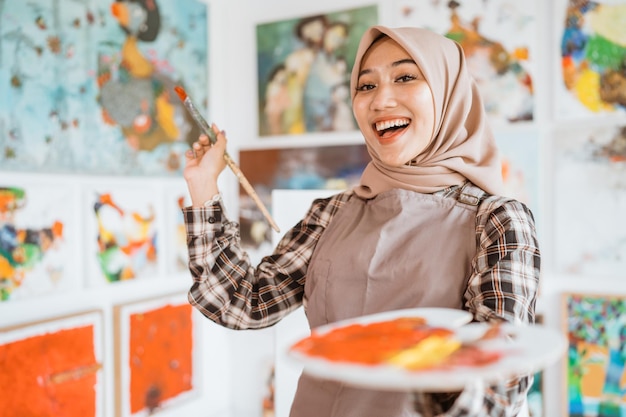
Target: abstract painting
[[596, 330], [88, 86], [122, 232], [304, 69], [592, 73], [589, 203], [155, 358], [321, 167], [36, 239], [498, 37], [53, 368]]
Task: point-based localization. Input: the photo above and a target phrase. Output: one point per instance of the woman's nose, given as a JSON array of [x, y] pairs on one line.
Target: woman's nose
[[383, 98]]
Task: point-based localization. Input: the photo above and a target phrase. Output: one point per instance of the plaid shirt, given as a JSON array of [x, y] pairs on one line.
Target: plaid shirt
[[233, 293]]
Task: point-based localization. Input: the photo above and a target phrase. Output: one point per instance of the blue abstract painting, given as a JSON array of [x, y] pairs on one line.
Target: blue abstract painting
[[87, 86]]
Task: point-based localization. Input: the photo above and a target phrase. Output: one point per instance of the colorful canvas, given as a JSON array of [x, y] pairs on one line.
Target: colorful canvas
[[304, 67], [320, 167], [595, 328], [498, 37], [156, 355], [590, 201], [88, 86], [53, 368], [123, 233], [592, 76], [36, 234]]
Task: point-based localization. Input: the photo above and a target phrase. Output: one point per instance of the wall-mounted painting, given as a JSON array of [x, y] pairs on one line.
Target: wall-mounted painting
[[596, 329], [122, 232], [498, 37], [325, 167], [88, 86], [589, 200], [591, 78], [53, 368], [304, 69], [155, 358], [37, 239]]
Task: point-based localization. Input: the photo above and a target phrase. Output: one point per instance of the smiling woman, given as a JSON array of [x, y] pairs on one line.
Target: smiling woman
[[425, 227]]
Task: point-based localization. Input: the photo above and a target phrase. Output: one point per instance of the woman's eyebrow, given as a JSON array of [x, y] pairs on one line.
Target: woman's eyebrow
[[393, 64], [403, 61]]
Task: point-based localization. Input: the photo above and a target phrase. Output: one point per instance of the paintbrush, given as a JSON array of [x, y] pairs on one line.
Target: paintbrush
[[206, 129]]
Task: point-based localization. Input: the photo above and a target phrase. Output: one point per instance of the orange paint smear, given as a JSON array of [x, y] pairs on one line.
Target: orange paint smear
[[368, 344]]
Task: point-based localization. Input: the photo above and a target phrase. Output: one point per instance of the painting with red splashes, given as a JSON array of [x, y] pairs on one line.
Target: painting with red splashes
[[155, 359], [53, 368], [499, 39], [123, 233], [37, 234]]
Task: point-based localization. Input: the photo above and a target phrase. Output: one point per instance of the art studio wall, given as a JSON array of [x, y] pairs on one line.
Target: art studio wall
[[91, 186]]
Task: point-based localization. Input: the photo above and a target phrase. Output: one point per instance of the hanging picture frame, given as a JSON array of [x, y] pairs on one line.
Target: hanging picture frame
[[304, 66], [156, 355], [90, 85], [499, 39], [595, 327], [54, 367]]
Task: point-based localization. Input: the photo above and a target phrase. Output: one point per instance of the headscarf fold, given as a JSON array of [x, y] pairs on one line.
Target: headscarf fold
[[462, 147]]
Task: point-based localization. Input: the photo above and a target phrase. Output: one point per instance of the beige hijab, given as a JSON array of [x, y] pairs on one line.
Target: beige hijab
[[462, 147]]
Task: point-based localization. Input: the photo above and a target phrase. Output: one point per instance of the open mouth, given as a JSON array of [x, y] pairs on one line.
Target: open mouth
[[388, 128]]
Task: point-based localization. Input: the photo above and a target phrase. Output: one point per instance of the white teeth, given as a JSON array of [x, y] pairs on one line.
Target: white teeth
[[391, 123]]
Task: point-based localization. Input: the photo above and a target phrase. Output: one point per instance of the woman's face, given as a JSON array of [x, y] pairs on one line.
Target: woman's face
[[393, 104]]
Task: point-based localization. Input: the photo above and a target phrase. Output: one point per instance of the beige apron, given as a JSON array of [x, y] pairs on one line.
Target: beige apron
[[401, 249]]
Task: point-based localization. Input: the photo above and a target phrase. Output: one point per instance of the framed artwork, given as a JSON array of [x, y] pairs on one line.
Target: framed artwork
[[156, 352], [37, 238], [596, 329], [88, 86], [591, 61], [122, 232], [304, 69], [499, 40], [335, 167], [53, 367], [589, 174]]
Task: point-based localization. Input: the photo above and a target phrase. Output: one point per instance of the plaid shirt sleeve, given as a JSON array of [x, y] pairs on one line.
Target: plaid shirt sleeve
[[503, 288], [227, 288]]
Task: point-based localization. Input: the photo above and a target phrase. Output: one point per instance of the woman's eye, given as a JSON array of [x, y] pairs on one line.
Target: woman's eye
[[364, 87], [406, 78]]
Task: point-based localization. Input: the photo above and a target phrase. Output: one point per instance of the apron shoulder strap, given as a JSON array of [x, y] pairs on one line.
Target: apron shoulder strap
[[471, 194]]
